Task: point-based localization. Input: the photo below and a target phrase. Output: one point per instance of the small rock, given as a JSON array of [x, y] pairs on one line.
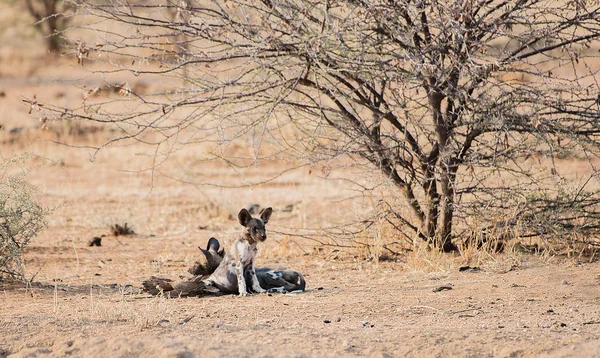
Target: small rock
[[163, 322], [16, 130], [327, 321], [442, 288], [96, 241]]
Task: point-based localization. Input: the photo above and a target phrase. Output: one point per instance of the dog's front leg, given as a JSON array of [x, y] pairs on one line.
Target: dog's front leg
[[255, 284], [239, 270]]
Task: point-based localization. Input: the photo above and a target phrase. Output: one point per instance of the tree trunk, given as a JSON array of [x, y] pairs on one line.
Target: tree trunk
[[53, 40], [444, 233], [443, 236], [433, 198], [48, 22]]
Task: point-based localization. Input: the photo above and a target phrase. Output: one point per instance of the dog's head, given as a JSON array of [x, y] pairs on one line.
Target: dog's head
[[255, 227], [210, 259], [213, 255]]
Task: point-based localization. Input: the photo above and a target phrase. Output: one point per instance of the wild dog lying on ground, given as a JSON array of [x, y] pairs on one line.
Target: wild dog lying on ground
[[280, 280], [234, 272]]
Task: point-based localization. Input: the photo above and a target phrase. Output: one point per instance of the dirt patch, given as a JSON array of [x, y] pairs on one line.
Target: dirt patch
[[384, 311]]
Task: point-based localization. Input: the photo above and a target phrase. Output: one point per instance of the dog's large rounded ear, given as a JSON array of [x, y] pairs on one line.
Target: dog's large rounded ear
[[204, 252], [266, 214], [244, 217], [213, 245]]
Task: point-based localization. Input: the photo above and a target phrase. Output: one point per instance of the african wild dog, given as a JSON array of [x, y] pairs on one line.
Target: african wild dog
[[279, 280], [229, 277], [230, 272]]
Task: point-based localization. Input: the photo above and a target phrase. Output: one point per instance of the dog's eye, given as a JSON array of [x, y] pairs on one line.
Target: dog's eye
[[254, 229]]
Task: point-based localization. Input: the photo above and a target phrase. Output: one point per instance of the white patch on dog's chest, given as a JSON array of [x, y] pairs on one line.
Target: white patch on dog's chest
[[247, 253]]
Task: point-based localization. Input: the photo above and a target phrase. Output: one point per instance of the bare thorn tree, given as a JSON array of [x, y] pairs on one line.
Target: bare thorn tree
[[464, 106]]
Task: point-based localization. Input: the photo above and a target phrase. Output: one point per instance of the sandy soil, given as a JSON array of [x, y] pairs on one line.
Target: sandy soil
[[85, 301], [349, 309]]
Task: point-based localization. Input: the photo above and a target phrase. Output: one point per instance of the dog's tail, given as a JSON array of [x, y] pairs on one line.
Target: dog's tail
[[193, 287]]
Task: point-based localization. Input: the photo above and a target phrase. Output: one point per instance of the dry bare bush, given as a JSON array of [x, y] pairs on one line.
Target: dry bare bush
[[465, 107], [21, 219], [121, 230]]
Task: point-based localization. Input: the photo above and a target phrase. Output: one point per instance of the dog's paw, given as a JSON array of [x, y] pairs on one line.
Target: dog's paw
[[242, 294]]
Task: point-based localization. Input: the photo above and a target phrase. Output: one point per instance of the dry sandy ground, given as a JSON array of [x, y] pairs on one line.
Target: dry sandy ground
[[85, 302], [348, 310]]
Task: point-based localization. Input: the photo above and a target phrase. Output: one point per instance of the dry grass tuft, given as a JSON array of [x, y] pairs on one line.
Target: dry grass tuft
[[140, 311], [121, 230], [142, 314]]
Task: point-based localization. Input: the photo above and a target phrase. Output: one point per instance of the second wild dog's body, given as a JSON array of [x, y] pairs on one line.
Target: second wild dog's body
[[279, 280], [238, 263]]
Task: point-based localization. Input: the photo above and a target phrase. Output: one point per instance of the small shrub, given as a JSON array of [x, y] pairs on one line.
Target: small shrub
[[121, 230], [21, 219]]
